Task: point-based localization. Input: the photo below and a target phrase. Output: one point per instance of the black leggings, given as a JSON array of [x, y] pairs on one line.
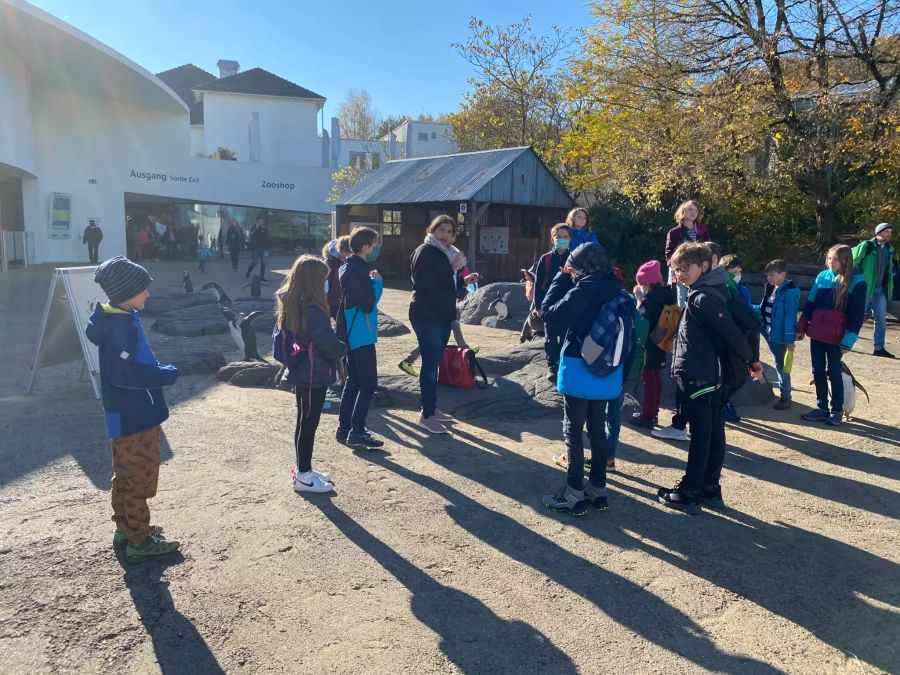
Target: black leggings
[[309, 410]]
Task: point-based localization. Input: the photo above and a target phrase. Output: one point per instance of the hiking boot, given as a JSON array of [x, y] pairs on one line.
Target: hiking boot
[[341, 436], [815, 415], [638, 420], [783, 404], [432, 425], [364, 441], [311, 482], [711, 496], [568, 500], [835, 419], [883, 353], [120, 538], [677, 498], [670, 433], [408, 368], [731, 413], [596, 496], [563, 461], [151, 547], [441, 416]]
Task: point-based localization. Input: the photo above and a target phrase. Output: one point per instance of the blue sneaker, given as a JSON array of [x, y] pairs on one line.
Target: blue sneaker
[[835, 419], [816, 415], [731, 413]]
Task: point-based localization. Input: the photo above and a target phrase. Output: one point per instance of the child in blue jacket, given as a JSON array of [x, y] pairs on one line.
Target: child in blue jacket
[[838, 289], [779, 306], [578, 223], [361, 290], [131, 382], [573, 302]]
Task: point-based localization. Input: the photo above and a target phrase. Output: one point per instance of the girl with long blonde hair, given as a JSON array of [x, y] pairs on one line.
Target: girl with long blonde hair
[[308, 347], [688, 227]]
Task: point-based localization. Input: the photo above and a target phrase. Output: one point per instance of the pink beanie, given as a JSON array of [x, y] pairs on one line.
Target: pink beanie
[[649, 273]]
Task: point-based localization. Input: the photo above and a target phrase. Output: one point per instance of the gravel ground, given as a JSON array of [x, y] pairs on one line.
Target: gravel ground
[[436, 555]]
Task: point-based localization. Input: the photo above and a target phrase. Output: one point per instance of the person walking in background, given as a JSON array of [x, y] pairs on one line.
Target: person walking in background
[[545, 270], [259, 242], [334, 253], [92, 236], [143, 239], [307, 346], [203, 253], [874, 258], [781, 300], [832, 316], [689, 227], [433, 268], [234, 239]]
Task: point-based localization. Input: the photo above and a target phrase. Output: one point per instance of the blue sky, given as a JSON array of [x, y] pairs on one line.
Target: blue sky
[[399, 51]]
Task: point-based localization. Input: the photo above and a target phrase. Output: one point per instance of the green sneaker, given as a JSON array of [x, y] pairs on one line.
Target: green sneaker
[[120, 538], [408, 368], [151, 547]]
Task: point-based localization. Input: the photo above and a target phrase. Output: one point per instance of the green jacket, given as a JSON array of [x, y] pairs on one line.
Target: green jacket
[[865, 259]]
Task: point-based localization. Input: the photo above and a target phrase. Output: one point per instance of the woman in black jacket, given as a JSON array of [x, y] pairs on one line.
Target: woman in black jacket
[[309, 348], [433, 308]]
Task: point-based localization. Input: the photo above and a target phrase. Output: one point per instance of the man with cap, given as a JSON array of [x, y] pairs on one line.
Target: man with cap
[[875, 259], [131, 381]]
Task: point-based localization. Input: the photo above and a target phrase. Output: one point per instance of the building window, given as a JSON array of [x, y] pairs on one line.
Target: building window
[[423, 136], [434, 134], [376, 160], [390, 223]]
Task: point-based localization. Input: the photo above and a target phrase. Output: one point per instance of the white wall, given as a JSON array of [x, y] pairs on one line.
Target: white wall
[[442, 144], [16, 134], [196, 140], [288, 128]]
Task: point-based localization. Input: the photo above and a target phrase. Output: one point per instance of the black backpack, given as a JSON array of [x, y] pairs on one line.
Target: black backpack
[[734, 368]]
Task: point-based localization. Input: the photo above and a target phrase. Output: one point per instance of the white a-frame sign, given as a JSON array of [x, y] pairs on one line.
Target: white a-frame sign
[[73, 295]]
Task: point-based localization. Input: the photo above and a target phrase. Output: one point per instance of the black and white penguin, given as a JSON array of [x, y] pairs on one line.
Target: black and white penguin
[[186, 283], [242, 333], [218, 291], [255, 286], [500, 306]]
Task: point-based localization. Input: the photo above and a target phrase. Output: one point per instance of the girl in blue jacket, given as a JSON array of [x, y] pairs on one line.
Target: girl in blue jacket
[[572, 303], [839, 287]]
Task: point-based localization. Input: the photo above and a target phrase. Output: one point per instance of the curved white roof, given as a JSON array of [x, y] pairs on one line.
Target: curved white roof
[[60, 56]]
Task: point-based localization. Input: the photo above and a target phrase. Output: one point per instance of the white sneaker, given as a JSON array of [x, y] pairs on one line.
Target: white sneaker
[[670, 433], [310, 482], [432, 425], [324, 475], [443, 417]]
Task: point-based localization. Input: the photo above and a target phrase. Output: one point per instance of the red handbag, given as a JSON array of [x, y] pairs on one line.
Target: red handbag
[[828, 326], [459, 368]]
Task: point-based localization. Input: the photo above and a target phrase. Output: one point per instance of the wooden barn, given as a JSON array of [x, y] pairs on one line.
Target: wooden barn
[[504, 202]]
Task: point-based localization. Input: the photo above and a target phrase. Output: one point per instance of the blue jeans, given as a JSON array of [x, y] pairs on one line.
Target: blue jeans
[[362, 378], [552, 345], [826, 364], [432, 337], [577, 412], [613, 424], [778, 350], [878, 307], [258, 257]]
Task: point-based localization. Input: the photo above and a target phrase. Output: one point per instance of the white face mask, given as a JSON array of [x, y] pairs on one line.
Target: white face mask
[[737, 278]]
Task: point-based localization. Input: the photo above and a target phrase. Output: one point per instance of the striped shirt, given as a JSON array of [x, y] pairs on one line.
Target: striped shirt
[[767, 304]]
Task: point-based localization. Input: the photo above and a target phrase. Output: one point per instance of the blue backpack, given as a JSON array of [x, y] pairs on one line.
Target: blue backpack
[[610, 341]]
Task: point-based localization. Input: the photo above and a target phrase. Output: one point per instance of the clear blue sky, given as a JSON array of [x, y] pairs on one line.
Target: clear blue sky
[[399, 51]]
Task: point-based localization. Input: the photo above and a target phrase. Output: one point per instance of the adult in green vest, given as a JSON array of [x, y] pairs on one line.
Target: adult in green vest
[[875, 259]]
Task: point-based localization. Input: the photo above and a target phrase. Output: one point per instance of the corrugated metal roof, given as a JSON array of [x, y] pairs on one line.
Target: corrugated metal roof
[[431, 179]]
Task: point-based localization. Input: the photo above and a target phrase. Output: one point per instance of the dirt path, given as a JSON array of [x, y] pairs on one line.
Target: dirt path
[[437, 555]]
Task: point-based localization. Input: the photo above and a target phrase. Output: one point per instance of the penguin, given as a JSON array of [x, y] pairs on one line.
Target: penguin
[[255, 286], [218, 291], [186, 283], [500, 306], [242, 333]]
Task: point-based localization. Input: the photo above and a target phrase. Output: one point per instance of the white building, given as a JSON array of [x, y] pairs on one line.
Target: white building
[[424, 139]]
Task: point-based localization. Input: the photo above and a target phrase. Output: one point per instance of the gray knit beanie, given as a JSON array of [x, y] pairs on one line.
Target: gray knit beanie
[[121, 279], [588, 258]]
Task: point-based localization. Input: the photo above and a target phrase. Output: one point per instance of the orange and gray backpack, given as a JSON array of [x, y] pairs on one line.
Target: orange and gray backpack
[[663, 333]]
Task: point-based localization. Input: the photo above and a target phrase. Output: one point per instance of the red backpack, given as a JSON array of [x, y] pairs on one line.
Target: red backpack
[[459, 368]]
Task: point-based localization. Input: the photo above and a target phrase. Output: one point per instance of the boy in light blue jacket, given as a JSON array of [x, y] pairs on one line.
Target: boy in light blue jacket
[[779, 307]]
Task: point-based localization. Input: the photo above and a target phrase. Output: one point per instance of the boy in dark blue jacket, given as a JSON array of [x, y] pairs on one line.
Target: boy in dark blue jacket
[[545, 271], [361, 291], [131, 381]]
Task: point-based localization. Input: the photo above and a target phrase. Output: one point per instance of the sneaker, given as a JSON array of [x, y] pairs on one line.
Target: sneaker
[[815, 415], [711, 496], [151, 547], [441, 416], [563, 461], [670, 433], [568, 500], [638, 420], [677, 499], [835, 419], [731, 413], [610, 465], [783, 404], [432, 425], [311, 482], [364, 441], [883, 353], [324, 475], [341, 436], [596, 497], [407, 368], [120, 538], [474, 349]]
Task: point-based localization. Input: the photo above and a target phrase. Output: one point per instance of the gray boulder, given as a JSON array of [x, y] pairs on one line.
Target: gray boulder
[[207, 319], [194, 361], [475, 306], [249, 374], [389, 326], [162, 303]]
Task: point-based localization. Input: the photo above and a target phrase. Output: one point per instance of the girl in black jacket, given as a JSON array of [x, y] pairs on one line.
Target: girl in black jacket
[[433, 309], [310, 350]]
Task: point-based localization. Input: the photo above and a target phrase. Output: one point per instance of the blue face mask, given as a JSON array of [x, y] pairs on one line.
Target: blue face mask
[[326, 287], [562, 244], [373, 256]]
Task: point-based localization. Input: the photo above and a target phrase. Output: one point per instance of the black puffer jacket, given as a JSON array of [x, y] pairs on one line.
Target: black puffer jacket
[[434, 286], [653, 305], [705, 328], [316, 368]]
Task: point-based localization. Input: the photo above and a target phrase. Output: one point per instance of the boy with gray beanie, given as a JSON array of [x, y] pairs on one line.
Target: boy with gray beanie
[[131, 381]]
